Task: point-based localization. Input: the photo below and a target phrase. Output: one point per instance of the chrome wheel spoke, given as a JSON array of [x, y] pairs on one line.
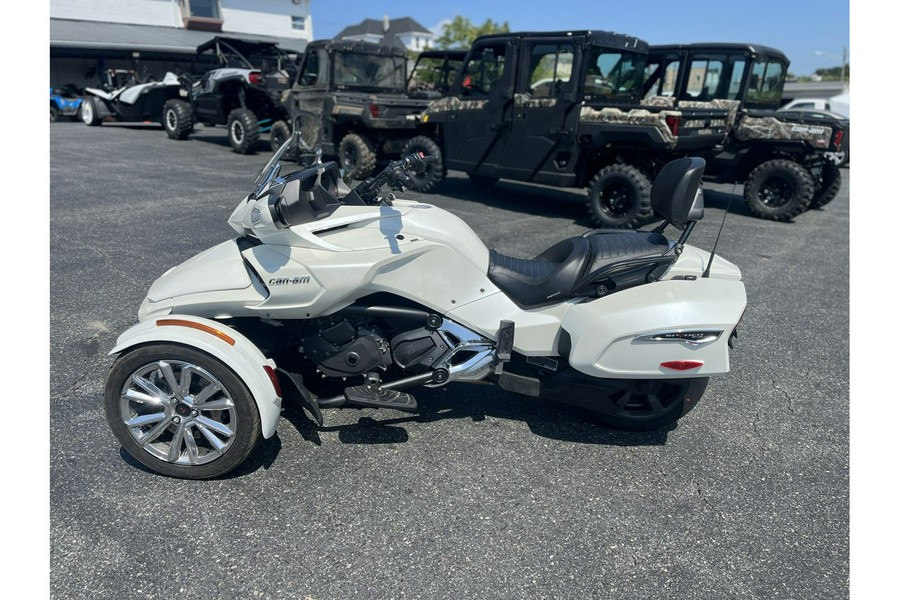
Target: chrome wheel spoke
[[136, 396], [167, 372], [219, 428], [141, 420], [146, 385], [223, 404], [211, 438], [175, 444], [655, 404], [191, 444], [155, 432], [207, 393], [623, 401]]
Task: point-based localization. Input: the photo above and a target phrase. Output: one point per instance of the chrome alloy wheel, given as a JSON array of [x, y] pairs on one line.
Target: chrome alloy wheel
[[87, 112], [178, 412]]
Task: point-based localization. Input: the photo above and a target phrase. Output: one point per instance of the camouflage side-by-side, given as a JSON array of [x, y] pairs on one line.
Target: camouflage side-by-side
[[771, 128], [638, 116]]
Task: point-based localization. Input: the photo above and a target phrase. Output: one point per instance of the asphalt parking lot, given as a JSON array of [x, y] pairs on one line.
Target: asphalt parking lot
[[484, 494]]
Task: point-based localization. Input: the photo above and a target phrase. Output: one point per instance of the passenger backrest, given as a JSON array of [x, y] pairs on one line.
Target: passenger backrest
[[674, 195]]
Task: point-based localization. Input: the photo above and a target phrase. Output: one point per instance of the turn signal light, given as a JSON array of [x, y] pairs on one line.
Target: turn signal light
[[198, 326], [374, 109], [682, 365], [255, 77]]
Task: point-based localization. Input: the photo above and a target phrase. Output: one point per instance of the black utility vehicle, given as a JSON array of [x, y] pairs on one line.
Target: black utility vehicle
[[233, 82], [780, 157], [351, 98], [434, 73], [561, 109]]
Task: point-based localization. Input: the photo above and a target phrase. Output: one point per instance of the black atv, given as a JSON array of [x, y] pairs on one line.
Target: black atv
[[236, 83], [780, 157]]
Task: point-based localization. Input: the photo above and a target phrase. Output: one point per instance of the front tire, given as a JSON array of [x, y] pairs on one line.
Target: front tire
[[180, 412], [779, 190], [178, 119], [619, 196], [650, 404], [278, 135], [357, 156], [54, 114], [243, 130], [89, 114], [435, 172]]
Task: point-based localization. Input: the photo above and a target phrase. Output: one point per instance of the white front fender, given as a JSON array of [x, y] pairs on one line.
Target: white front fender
[[224, 343]]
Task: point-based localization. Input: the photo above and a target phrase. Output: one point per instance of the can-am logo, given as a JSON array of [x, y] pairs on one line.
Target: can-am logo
[[808, 129], [288, 280]]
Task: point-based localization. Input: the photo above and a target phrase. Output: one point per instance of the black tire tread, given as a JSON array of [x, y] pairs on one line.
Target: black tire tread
[[434, 174], [278, 134], [251, 130], [831, 185], [365, 164], [641, 185], [799, 203], [184, 119]]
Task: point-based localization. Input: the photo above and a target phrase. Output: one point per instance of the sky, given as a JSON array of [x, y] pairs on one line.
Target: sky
[[799, 28]]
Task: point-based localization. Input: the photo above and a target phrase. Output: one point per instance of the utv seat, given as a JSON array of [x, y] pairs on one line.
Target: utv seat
[[607, 260]]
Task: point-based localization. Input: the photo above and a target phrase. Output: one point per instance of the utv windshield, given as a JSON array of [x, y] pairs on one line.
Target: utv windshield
[[766, 83], [434, 74], [614, 75], [369, 72]]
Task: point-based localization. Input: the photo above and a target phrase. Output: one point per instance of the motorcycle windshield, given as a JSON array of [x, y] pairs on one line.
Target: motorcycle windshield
[[295, 148]]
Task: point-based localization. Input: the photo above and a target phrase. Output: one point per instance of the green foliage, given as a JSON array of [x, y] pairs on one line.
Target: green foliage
[[833, 73], [461, 32]]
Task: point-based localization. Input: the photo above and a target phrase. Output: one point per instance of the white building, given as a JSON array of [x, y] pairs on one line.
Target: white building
[[88, 36], [413, 35]]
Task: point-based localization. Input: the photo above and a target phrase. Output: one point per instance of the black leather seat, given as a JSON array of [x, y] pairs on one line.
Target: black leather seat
[[606, 260]]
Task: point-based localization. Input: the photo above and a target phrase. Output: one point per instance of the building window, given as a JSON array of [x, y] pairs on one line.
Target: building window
[[207, 9], [298, 22]]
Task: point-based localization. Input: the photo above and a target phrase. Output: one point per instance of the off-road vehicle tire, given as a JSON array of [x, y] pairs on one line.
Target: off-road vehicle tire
[[831, 185], [356, 155], [279, 134], [435, 172], [243, 130], [178, 119], [619, 197], [88, 111], [54, 114], [778, 190]]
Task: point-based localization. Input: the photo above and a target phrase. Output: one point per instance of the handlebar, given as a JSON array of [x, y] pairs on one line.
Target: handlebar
[[396, 175]]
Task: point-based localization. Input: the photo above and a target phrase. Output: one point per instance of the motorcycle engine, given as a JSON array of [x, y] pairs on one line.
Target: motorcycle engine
[[342, 348]]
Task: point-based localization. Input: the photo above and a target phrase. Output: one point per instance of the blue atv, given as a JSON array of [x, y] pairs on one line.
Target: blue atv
[[65, 102]]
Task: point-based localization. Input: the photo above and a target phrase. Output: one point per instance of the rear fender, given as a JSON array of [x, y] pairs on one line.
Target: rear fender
[[220, 341], [629, 334]]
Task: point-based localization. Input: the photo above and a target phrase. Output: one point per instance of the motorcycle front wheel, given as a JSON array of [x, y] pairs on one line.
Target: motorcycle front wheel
[[180, 412]]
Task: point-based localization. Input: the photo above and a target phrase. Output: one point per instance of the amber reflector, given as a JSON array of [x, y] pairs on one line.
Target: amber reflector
[[200, 326]]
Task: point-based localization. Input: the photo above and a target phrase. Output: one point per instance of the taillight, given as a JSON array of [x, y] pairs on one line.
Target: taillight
[[673, 121], [682, 365], [255, 77], [374, 109], [838, 138]]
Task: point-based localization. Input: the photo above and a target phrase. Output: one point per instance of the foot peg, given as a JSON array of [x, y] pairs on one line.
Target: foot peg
[[373, 395]]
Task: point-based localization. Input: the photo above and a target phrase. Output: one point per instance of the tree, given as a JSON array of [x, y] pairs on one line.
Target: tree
[[461, 32]]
